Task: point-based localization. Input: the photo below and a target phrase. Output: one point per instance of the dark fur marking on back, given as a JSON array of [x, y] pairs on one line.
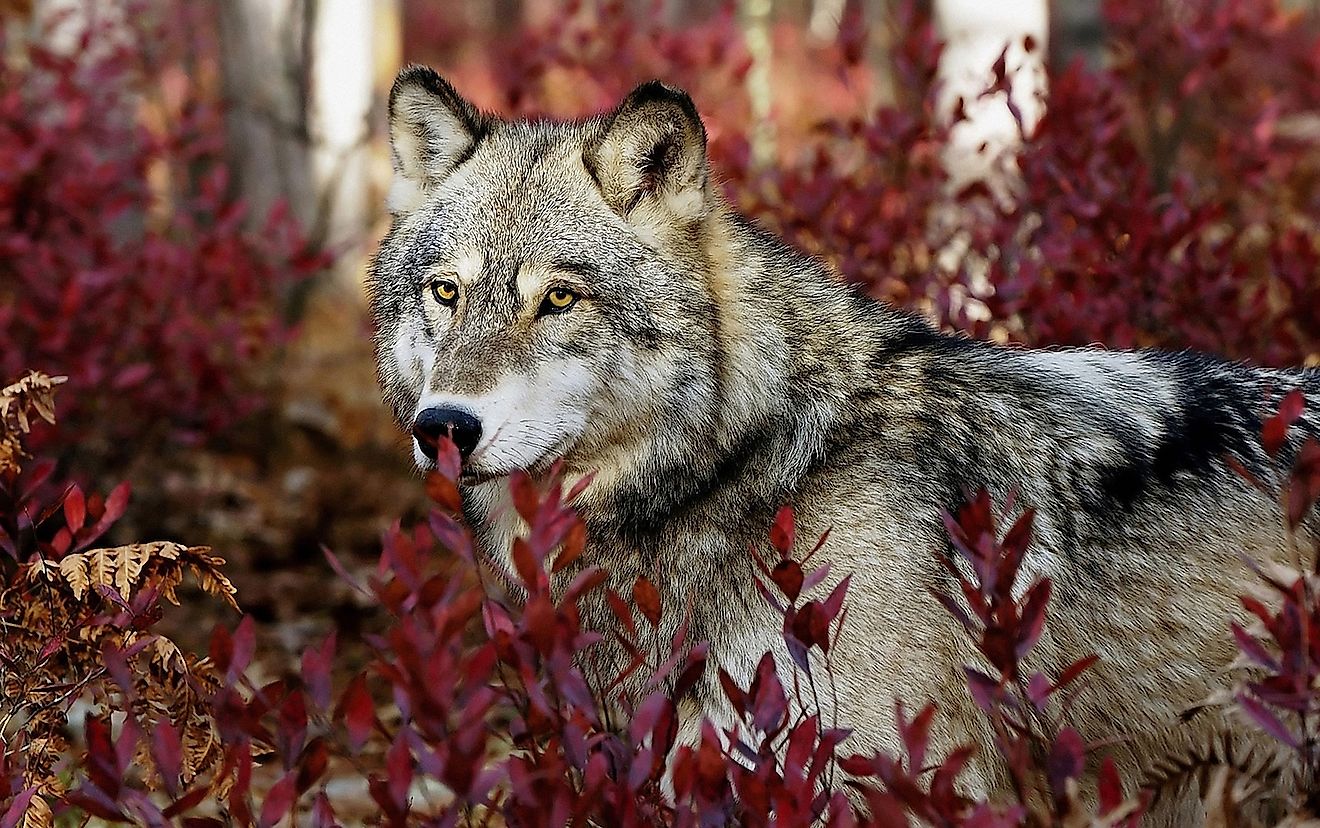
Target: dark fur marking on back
[[1213, 420]]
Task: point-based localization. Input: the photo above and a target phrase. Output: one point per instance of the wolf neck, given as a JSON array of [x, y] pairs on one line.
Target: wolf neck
[[790, 344]]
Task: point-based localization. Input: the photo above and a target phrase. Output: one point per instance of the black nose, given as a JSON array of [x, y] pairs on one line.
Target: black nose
[[454, 423]]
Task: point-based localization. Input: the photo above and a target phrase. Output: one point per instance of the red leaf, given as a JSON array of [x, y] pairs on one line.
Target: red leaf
[[50, 647], [340, 571], [1275, 430], [96, 803], [1267, 721], [323, 814], [575, 542], [1253, 649], [1067, 757], [1038, 690], [221, 651], [167, 751], [783, 532], [985, 690], [858, 765], [526, 499], [693, 670], [315, 671], [1019, 536], [1074, 670], [187, 802], [279, 801], [359, 712], [1033, 617], [75, 509], [529, 570], [17, 808], [915, 734], [1304, 483], [834, 602], [399, 771], [769, 704], [1110, 787], [444, 491], [815, 577], [586, 581], [621, 611], [312, 764], [448, 460], [245, 645], [115, 505], [647, 600], [735, 694], [788, 576]]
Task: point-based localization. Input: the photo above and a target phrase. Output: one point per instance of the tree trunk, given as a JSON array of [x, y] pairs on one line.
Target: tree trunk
[[300, 78], [976, 34]]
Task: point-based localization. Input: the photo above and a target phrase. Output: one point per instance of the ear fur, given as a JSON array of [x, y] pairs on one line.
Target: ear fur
[[651, 151], [433, 130]]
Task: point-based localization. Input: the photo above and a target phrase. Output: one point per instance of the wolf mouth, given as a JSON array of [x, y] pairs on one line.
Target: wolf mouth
[[475, 475]]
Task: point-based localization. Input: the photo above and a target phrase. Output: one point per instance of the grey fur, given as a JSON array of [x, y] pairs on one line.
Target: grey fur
[[715, 374]]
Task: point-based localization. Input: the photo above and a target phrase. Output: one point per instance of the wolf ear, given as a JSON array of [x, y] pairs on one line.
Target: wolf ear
[[433, 129], [651, 150]]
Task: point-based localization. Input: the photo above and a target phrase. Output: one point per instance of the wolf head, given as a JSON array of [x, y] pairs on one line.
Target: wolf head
[[541, 292]]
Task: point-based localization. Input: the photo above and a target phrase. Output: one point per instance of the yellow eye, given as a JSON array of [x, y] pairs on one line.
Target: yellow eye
[[558, 300], [445, 292]]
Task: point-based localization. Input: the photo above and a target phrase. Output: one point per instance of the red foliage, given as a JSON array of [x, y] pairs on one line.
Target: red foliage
[[124, 262], [500, 702], [1282, 643], [1137, 219], [1168, 201]]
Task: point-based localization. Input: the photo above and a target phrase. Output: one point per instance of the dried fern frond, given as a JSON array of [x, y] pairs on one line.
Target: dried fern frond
[[61, 618], [34, 393], [127, 569]]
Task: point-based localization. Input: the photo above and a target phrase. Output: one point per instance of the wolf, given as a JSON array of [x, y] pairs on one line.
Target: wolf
[[577, 292]]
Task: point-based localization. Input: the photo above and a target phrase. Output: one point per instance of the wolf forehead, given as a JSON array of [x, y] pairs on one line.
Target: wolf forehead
[[521, 199], [463, 176]]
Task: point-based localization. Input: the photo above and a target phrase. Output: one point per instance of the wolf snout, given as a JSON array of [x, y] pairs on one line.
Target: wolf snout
[[456, 424]]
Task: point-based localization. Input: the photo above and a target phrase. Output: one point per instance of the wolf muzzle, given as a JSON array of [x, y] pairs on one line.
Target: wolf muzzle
[[456, 424]]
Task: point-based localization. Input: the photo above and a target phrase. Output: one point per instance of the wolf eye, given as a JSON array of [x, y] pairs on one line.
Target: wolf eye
[[557, 300], [445, 292]]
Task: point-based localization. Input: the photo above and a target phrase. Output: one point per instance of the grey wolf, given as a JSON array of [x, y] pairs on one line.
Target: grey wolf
[[578, 292]]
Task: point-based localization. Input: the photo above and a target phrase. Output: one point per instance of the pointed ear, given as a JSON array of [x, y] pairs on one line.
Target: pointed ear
[[651, 150], [433, 129]]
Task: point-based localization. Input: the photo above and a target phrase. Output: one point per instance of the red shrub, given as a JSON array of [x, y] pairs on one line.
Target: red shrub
[[124, 262], [1169, 201]]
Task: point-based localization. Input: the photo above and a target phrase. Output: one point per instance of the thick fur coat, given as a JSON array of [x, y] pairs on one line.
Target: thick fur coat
[[706, 374]]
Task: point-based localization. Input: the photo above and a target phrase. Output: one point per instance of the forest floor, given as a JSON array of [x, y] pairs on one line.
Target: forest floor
[[327, 467]]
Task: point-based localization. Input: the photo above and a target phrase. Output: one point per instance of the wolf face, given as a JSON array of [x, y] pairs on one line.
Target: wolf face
[[528, 299]]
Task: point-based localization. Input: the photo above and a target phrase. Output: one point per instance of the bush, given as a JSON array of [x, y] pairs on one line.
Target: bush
[[77, 629], [497, 711], [1147, 212], [125, 264]]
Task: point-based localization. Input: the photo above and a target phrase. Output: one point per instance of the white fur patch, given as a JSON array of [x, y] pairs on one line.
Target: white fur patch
[[527, 421], [426, 140], [404, 195], [413, 355]]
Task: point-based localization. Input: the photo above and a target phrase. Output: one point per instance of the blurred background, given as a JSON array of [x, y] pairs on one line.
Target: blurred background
[[189, 192]]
